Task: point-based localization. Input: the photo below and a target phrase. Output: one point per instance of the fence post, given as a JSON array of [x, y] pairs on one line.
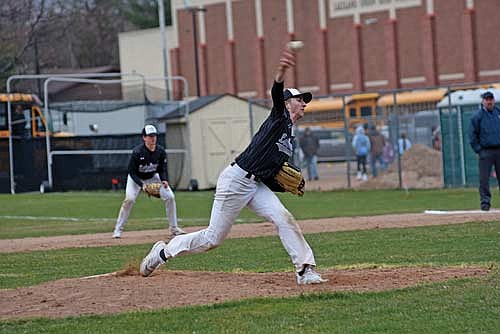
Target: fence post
[[347, 144], [396, 110], [452, 137]]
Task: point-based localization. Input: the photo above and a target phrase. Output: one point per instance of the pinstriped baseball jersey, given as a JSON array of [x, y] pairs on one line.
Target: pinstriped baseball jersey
[[272, 144]]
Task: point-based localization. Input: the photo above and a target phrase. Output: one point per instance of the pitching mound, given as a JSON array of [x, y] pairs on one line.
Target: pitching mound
[[126, 291]]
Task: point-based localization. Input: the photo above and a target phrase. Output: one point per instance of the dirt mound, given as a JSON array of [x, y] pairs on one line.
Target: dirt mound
[[422, 168], [107, 294]]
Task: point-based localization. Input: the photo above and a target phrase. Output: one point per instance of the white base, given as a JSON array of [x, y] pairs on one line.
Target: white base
[[100, 275]]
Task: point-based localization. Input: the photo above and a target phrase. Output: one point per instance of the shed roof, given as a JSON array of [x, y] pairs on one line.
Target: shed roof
[[177, 109]]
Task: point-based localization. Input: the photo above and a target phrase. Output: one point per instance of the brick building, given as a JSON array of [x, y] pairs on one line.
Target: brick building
[[350, 45]]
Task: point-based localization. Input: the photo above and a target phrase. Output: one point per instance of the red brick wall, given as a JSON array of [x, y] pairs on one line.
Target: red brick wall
[[186, 53], [275, 36], [216, 33], [374, 47], [429, 48], [410, 43], [340, 32], [449, 37], [373, 42], [488, 37], [309, 60], [461, 45], [245, 37]]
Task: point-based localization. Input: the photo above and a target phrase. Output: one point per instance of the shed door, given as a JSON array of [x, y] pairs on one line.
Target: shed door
[[223, 140]]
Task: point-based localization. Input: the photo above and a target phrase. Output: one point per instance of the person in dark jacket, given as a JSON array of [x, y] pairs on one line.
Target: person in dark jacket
[[309, 144], [484, 137], [377, 143]]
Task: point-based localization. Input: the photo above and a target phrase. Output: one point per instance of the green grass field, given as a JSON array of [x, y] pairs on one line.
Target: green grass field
[[455, 306], [31, 215]]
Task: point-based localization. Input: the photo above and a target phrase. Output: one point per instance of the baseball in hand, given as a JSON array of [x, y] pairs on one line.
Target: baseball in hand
[[295, 45]]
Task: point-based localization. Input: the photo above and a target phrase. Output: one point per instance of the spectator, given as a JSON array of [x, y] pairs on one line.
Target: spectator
[[361, 146], [388, 154], [404, 144], [310, 144], [484, 138], [436, 138], [377, 143]]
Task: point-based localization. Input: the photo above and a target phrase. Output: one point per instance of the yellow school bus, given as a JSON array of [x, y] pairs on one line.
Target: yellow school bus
[[330, 112], [32, 119]]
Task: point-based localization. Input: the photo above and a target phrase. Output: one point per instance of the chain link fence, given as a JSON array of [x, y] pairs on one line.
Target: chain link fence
[[425, 138]]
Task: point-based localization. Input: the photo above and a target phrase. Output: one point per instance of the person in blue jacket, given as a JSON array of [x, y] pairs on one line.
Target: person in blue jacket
[[484, 138]]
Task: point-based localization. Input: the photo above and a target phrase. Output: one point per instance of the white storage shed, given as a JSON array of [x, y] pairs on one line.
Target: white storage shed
[[205, 135]]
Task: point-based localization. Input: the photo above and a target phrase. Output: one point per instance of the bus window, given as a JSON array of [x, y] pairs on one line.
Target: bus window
[[352, 112], [3, 116], [366, 111]]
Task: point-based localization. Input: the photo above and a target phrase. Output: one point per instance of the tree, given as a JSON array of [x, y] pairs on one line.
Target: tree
[[19, 22], [144, 13], [48, 34]]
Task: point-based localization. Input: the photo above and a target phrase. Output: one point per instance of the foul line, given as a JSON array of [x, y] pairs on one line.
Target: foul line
[[75, 219], [459, 212]]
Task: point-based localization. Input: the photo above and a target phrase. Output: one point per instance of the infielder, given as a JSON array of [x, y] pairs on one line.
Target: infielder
[[247, 182], [148, 164]]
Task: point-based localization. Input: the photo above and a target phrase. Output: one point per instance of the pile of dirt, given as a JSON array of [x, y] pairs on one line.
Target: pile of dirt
[[422, 168]]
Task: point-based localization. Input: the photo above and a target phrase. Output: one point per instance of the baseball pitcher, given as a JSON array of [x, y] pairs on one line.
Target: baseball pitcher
[[250, 181]]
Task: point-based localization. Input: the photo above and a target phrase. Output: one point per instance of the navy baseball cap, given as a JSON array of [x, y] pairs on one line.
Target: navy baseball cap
[[488, 95], [149, 130], [293, 92]]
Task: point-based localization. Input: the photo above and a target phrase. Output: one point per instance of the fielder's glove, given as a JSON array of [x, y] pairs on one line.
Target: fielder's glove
[[152, 189], [290, 179]]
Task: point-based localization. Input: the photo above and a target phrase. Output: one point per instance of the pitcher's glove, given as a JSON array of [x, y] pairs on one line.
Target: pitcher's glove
[[290, 179], [152, 189]]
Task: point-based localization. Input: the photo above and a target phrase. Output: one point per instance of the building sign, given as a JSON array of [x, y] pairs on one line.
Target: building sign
[[340, 8]]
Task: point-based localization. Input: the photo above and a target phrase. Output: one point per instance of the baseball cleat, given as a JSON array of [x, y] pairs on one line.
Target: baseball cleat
[[117, 235], [152, 260], [310, 277], [176, 230]]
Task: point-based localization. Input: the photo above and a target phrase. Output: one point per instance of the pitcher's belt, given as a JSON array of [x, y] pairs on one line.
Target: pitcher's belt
[[248, 175]]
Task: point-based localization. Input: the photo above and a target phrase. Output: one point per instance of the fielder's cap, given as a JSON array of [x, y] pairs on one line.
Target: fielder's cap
[[293, 92], [149, 130], [488, 95]]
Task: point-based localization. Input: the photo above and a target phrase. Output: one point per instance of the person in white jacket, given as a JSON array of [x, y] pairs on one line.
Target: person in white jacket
[[404, 144]]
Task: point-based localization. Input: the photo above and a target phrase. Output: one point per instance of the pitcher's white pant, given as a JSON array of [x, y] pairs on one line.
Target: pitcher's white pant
[[132, 191], [234, 192]]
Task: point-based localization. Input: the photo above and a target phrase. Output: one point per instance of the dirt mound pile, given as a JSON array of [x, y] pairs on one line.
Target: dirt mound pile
[[422, 167], [420, 159]]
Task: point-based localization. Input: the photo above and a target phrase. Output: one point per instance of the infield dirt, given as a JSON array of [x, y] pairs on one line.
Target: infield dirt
[[127, 291]]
